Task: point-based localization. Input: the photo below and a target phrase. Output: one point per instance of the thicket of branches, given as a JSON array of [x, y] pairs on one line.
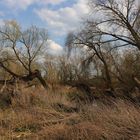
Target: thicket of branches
[[111, 39], [105, 53], [20, 49]]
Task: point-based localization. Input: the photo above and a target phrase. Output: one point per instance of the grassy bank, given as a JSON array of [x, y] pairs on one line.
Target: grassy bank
[[52, 115]]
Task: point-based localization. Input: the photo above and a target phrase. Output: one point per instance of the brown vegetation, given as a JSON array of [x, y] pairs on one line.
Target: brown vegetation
[[90, 92], [37, 114]]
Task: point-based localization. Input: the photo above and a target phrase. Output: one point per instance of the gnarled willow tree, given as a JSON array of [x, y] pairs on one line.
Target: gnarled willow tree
[[25, 46]]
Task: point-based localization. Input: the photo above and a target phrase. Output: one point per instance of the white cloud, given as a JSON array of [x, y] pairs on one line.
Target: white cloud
[[51, 1], [23, 4], [54, 48], [65, 19], [18, 4], [59, 21]]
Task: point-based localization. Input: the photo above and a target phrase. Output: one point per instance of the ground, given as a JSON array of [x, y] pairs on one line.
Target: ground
[[37, 114]]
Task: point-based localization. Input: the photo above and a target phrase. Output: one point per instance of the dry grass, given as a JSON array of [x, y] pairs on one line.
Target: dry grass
[[39, 115]]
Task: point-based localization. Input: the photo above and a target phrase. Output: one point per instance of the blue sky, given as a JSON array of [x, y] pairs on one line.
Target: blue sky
[[58, 16]]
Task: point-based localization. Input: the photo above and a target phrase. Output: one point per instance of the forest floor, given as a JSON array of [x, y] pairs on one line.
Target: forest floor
[[36, 114]]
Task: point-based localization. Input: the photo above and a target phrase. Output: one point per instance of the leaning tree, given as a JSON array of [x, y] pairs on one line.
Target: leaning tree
[[25, 46]]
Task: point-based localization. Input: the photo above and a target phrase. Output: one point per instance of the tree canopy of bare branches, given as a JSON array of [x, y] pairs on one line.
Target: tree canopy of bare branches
[[119, 21], [112, 24], [25, 45]]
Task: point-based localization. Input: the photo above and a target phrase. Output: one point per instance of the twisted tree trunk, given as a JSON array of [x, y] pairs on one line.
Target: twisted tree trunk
[[26, 78]]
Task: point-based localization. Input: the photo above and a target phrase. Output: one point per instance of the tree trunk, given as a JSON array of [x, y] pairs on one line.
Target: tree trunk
[[108, 77]]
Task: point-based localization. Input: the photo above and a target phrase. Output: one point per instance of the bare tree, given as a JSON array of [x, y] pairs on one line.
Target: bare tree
[[95, 51], [119, 21], [26, 46]]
